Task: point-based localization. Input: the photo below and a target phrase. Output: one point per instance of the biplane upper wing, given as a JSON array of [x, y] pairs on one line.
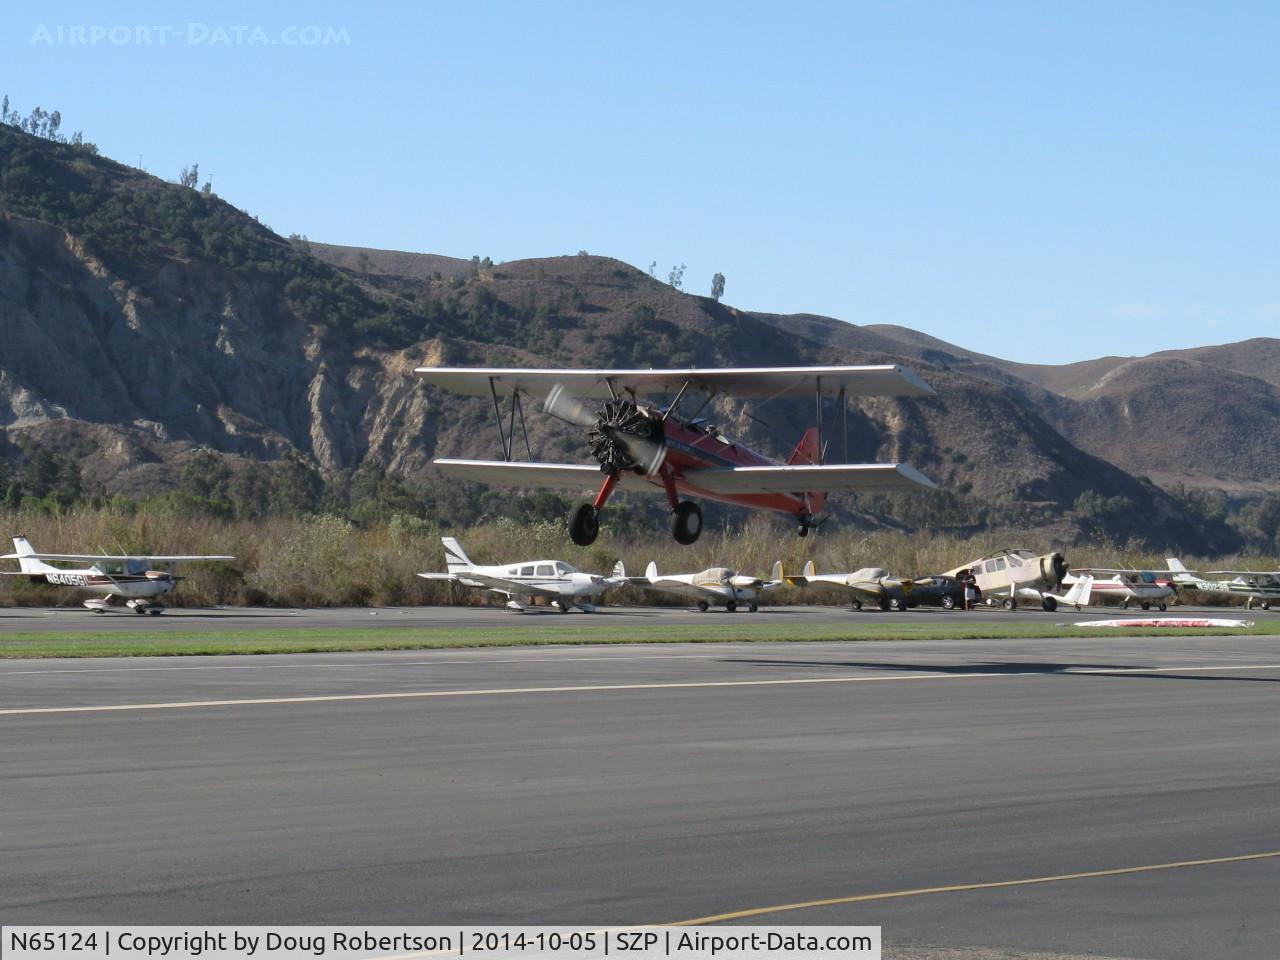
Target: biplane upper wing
[[808, 478], [557, 476], [747, 382]]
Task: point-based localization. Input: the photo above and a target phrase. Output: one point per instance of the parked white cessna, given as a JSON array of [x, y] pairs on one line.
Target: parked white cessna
[[1144, 587], [555, 580], [1007, 576], [717, 586], [130, 577], [1256, 586]]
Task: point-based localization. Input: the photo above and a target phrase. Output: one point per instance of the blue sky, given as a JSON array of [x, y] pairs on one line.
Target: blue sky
[[1043, 181]]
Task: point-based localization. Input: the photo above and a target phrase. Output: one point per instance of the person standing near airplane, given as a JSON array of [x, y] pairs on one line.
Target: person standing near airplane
[[970, 588]]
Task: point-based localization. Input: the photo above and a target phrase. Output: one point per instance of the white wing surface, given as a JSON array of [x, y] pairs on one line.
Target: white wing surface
[[807, 478], [887, 380]]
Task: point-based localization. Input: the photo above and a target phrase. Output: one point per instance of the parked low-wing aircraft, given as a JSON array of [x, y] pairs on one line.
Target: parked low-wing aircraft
[[874, 585], [1147, 588], [678, 456], [715, 586], [1007, 576], [554, 580], [128, 577], [1256, 586]]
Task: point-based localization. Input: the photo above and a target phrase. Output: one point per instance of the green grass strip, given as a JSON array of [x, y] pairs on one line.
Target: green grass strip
[[325, 640]]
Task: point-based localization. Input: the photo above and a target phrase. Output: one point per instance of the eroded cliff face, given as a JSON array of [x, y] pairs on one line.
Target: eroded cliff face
[[192, 354]]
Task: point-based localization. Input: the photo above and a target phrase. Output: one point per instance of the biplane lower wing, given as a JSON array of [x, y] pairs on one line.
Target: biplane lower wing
[[807, 478], [556, 476], [801, 478]]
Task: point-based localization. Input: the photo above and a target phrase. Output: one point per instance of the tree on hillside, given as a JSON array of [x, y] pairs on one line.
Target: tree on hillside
[[717, 286], [190, 176], [676, 276]]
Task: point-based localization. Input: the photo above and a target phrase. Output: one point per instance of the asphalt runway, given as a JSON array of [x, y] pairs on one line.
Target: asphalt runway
[[603, 785], [78, 619]]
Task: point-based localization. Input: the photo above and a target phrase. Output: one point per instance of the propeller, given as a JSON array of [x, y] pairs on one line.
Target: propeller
[[621, 435], [1057, 569], [564, 406]]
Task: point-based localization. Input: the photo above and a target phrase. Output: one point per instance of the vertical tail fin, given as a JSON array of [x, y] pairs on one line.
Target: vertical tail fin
[[810, 569], [806, 450], [23, 549], [651, 571], [1080, 592], [454, 556], [1173, 562], [777, 571], [619, 571]]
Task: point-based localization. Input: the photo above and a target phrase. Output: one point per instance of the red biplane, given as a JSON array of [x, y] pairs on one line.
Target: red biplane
[[651, 448]]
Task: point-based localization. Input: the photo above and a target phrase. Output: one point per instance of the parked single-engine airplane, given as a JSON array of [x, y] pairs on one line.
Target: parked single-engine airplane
[[1145, 587], [677, 455], [1256, 586], [554, 580], [129, 577], [715, 586], [874, 585], [1007, 576]]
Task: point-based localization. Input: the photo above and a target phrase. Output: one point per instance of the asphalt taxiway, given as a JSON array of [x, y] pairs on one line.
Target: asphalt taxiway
[[75, 619], [1106, 796]]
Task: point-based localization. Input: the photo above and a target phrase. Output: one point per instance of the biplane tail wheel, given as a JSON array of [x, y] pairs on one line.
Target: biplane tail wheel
[[584, 525], [804, 529], [686, 522]]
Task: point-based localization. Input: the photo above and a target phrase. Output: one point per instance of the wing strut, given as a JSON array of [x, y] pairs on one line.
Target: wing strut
[[507, 438], [817, 399]]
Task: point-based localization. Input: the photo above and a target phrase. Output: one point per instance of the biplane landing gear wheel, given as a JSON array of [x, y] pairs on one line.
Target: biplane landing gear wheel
[[702, 606], [804, 529], [686, 522], [584, 525]]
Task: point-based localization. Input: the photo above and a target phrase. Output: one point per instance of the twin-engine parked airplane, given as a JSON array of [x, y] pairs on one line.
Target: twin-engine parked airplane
[[553, 580], [1256, 586], [129, 577], [678, 456], [1007, 576], [874, 585], [715, 586]]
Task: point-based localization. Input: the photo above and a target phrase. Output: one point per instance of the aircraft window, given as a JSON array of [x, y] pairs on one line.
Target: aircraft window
[[527, 571], [546, 570], [988, 566], [136, 566], [1014, 561], [999, 563], [562, 567], [113, 569], [1148, 577]]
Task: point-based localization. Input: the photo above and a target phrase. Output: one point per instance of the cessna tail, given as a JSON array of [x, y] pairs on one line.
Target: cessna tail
[[27, 562]]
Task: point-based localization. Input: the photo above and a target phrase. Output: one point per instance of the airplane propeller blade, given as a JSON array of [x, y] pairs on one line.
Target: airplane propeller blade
[[564, 406]]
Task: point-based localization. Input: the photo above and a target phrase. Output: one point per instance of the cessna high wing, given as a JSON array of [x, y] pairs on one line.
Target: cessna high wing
[[1256, 586], [640, 445], [1147, 588], [128, 577], [715, 586], [553, 580]]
